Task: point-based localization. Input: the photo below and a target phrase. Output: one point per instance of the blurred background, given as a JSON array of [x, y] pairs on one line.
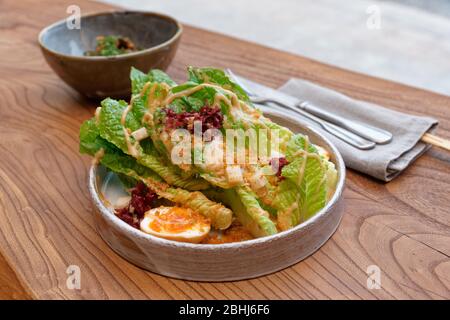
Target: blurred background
[[406, 41]]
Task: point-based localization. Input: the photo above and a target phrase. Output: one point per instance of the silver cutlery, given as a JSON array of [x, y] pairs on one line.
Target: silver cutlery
[[357, 134], [343, 134], [339, 132]]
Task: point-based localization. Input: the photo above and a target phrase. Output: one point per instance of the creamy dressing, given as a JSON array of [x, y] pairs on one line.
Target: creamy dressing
[[132, 147], [98, 156], [123, 119], [97, 115], [188, 92], [153, 101]]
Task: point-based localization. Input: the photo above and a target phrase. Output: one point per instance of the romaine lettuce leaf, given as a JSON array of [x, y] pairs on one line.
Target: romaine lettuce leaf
[[303, 192], [198, 99], [113, 158], [219, 77], [139, 79], [255, 212], [111, 129], [220, 216], [230, 198]]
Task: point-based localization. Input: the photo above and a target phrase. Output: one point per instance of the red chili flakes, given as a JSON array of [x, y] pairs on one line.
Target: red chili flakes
[[210, 117], [142, 200], [278, 164]]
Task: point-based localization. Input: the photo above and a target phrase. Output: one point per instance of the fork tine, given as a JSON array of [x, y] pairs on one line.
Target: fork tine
[[239, 82]]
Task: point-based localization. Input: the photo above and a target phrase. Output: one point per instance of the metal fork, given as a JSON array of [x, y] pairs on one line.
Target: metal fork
[[359, 135]]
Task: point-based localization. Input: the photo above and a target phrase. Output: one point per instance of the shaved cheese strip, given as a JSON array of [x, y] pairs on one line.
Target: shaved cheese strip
[[140, 134]]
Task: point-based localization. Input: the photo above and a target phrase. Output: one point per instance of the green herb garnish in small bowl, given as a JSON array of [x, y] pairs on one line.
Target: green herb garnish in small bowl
[[112, 46]]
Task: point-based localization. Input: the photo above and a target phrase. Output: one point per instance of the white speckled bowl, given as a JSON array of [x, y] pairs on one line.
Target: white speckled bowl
[[222, 262]]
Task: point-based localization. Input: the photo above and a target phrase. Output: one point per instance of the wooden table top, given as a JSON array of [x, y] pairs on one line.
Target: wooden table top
[[46, 225]]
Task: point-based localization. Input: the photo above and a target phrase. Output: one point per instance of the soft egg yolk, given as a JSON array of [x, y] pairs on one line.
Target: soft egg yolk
[[176, 223]]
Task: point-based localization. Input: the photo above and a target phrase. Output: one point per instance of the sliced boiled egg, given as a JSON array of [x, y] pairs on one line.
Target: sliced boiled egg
[[176, 223]]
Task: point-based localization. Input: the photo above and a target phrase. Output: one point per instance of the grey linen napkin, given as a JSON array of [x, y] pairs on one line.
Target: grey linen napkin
[[384, 162]]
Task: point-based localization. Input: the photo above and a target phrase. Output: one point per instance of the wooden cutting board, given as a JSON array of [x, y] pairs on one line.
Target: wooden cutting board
[[46, 225]]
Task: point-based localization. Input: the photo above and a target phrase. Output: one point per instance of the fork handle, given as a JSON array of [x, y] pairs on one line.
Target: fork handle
[[341, 133], [364, 130]]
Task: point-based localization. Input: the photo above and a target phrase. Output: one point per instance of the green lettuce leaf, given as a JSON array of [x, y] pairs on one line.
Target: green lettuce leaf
[[219, 77], [139, 79], [231, 199], [113, 158], [220, 216], [111, 129], [253, 213], [303, 192], [196, 100]]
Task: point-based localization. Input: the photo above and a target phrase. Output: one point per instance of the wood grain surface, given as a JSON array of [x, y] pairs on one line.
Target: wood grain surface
[[46, 221]]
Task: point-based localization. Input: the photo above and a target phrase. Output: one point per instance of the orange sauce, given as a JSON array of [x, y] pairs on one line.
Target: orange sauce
[[235, 233]]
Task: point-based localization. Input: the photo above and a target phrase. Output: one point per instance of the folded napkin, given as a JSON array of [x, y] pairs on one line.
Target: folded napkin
[[384, 162]]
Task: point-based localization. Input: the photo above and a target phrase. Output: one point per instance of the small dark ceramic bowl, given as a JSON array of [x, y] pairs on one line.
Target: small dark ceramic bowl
[[98, 76]]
